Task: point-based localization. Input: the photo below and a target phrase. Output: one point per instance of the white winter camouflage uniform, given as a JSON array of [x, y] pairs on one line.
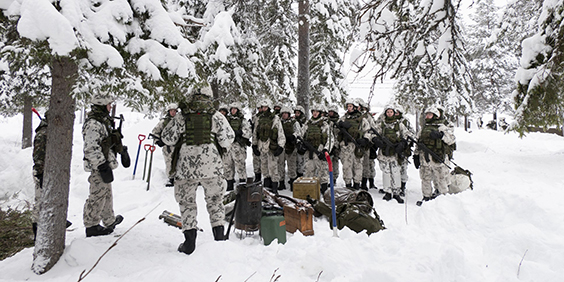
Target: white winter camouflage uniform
[[316, 167], [167, 150], [234, 160], [269, 162], [199, 165]]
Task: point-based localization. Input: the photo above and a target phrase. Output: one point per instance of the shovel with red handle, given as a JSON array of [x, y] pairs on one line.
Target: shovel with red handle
[[141, 137]]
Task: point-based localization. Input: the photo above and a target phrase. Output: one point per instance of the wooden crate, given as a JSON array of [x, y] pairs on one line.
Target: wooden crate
[[304, 186], [299, 218]]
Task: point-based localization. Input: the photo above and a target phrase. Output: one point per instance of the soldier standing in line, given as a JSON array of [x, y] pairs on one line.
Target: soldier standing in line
[[369, 164], [407, 153], [317, 133], [299, 115], [202, 133], [235, 158], [269, 141], [391, 143], [333, 112], [99, 160], [437, 135], [171, 110], [289, 157], [39, 145], [353, 128]]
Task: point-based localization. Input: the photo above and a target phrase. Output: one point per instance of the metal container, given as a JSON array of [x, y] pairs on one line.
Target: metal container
[[249, 208]]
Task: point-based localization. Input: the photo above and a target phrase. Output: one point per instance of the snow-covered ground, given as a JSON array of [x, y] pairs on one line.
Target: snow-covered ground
[[509, 228]]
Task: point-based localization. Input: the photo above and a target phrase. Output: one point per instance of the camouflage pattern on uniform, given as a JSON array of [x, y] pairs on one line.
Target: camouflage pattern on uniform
[[167, 150], [99, 205], [199, 164], [289, 159], [314, 166], [405, 162], [369, 165], [256, 159], [39, 145], [352, 165], [235, 158], [301, 158], [269, 162], [433, 173]]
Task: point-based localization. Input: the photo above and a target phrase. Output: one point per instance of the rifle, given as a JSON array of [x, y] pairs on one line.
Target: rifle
[[116, 143], [309, 147], [430, 152], [388, 143], [346, 133]]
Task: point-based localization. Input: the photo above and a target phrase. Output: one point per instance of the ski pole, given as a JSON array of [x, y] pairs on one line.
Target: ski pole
[[141, 137], [333, 212], [35, 111], [152, 149], [147, 149]]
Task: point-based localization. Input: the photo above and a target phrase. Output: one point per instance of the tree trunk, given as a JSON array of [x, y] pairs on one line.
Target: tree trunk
[[50, 241], [27, 122], [495, 120], [302, 94]]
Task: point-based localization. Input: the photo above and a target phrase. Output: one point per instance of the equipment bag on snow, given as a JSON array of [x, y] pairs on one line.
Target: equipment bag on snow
[[354, 215], [460, 180]]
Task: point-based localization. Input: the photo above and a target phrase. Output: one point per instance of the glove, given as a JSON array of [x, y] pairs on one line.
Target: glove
[[344, 124], [436, 134], [416, 161], [239, 133], [362, 142], [278, 151], [377, 142], [160, 143], [301, 148], [256, 150], [321, 155], [291, 139], [106, 172], [125, 159], [400, 147]]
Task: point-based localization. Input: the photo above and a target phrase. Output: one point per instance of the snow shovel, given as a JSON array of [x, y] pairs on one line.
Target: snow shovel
[[141, 137], [152, 149], [333, 212], [147, 149]]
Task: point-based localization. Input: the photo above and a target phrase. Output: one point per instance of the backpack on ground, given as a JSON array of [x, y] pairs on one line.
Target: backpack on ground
[[460, 180]]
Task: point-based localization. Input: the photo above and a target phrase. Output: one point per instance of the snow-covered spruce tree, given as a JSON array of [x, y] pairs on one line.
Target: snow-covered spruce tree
[[539, 99], [420, 43], [139, 43], [491, 59], [331, 24], [25, 76]]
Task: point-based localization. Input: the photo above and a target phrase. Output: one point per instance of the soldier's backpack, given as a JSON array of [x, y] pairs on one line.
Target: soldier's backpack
[[357, 215], [460, 180]]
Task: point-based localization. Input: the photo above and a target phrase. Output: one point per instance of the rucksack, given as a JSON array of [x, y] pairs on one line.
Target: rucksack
[[460, 180]]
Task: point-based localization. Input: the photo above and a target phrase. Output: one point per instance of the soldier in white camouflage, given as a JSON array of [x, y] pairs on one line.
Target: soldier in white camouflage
[[368, 165], [407, 153], [391, 140], [437, 136], [202, 133], [234, 160], [171, 110], [317, 134], [99, 160], [289, 158], [353, 128], [256, 158], [269, 141], [333, 118], [299, 115]]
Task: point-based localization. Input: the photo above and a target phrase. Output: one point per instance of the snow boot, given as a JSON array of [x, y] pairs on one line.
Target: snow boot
[[371, 181], [363, 184], [348, 185], [243, 181], [402, 189], [387, 197], [218, 233], [300, 174], [282, 185], [398, 198], [267, 182], [323, 188], [189, 244], [425, 199], [170, 183], [118, 220], [258, 177], [98, 230], [230, 184], [356, 186], [274, 188], [292, 183], [381, 191]]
